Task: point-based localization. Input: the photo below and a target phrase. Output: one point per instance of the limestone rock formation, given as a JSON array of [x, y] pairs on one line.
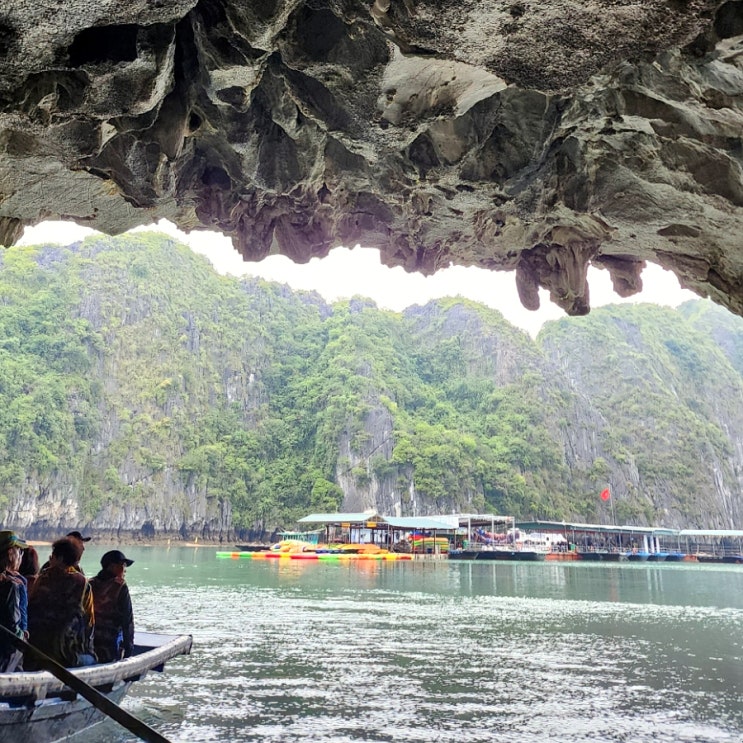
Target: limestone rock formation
[[507, 134]]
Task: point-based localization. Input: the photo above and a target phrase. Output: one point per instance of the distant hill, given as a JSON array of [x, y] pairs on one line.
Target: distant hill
[[143, 394]]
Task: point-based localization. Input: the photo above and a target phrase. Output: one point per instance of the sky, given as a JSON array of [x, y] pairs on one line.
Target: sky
[[348, 272]]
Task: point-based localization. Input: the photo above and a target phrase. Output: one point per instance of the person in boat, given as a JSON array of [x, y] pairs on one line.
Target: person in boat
[[29, 568], [60, 609], [14, 570], [80, 541], [13, 600], [114, 616]]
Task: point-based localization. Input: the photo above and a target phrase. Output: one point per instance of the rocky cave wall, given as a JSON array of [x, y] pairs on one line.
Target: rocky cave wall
[[535, 136]]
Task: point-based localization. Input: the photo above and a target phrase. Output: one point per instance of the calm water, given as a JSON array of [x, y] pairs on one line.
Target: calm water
[[413, 651]]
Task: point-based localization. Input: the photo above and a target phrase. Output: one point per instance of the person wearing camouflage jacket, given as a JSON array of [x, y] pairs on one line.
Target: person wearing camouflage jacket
[[61, 618]]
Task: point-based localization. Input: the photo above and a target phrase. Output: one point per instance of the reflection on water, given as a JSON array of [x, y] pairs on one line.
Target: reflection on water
[[419, 651]]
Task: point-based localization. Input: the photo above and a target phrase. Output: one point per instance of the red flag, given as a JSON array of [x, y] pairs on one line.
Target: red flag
[[605, 494]]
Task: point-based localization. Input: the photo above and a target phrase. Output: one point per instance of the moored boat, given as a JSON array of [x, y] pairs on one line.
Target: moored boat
[[569, 556], [658, 556], [36, 707], [729, 559], [600, 556], [637, 555], [498, 554]]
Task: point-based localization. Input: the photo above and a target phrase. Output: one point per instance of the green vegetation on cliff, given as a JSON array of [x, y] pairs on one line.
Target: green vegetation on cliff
[[670, 407], [48, 392], [159, 395]]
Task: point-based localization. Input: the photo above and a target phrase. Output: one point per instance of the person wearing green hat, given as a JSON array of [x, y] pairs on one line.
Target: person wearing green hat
[[13, 599]]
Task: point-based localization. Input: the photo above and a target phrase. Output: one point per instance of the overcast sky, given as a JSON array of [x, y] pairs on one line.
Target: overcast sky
[[345, 273]]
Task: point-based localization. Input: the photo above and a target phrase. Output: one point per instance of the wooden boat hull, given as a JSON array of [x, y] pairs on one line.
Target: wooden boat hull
[[675, 557], [658, 556], [53, 719], [561, 556], [35, 707], [523, 555], [721, 559], [601, 556], [638, 556]]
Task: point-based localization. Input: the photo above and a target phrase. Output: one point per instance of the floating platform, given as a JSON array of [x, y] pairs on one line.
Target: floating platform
[[238, 555], [315, 556]]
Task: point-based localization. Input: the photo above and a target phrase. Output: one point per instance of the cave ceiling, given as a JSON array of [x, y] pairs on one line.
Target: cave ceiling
[[536, 136]]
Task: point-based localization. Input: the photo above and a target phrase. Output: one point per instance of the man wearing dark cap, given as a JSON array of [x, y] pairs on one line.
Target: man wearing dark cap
[[114, 616], [80, 540], [77, 535]]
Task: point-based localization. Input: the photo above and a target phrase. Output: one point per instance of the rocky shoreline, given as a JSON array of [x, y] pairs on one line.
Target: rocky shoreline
[[127, 539]]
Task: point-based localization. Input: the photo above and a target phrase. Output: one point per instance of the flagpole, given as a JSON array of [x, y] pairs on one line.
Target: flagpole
[[606, 496]]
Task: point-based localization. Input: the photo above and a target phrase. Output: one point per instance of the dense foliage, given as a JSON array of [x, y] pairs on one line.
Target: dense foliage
[[670, 400], [136, 379]]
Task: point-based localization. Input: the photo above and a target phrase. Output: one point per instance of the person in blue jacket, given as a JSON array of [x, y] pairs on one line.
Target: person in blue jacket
[[13, 600]]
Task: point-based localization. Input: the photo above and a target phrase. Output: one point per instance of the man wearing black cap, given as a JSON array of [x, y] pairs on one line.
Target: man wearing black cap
[[80, 540], [114, 616], [77, 535]]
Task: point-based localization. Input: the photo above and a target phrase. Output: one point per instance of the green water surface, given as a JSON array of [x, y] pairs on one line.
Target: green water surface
[[288, 650]]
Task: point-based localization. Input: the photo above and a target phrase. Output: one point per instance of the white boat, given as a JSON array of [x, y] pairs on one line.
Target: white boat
[[36, 707]]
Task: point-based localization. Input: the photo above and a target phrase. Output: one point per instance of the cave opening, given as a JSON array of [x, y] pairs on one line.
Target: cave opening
[[101, 44]]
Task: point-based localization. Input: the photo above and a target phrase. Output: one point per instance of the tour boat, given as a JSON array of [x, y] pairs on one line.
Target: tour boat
[[36, 707], [729, 559]]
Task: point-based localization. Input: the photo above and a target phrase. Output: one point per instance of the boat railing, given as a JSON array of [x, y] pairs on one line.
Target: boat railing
[[716, 549]]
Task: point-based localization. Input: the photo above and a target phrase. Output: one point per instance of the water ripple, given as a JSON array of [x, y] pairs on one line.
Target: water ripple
[[408, 653]]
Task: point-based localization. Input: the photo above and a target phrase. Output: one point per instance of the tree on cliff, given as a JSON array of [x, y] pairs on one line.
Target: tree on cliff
[[154, 394]]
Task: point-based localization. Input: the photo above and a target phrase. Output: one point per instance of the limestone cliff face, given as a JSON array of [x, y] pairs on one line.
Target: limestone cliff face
[[686, 420], [143, 395], [363, 486], [531, 136], [151, 504], [638, 402]]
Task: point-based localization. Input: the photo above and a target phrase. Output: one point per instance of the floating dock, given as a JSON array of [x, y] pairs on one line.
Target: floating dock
[[316, 556]]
